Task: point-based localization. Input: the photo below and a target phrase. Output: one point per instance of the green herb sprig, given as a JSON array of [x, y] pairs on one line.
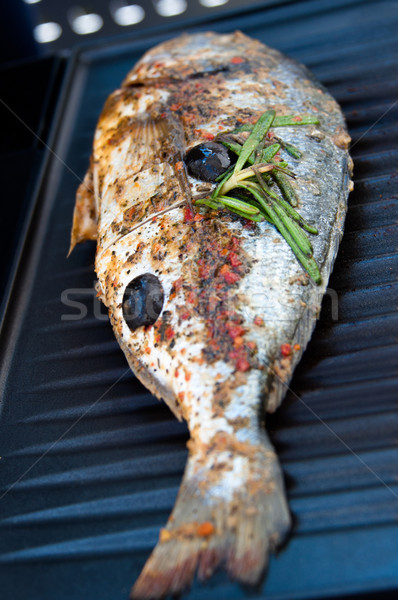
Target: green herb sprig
[[253, 179]]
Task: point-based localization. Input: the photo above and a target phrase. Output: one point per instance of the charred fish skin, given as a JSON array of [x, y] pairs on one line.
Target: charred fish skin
[[232, 292]]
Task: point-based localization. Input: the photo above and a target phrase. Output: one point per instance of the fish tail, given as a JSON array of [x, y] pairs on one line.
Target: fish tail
[[227, 513]]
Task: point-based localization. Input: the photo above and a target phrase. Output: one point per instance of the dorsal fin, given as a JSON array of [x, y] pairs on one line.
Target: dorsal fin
[[85, 214]]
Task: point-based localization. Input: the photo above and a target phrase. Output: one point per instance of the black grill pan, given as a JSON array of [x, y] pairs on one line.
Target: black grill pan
[[91, 462]]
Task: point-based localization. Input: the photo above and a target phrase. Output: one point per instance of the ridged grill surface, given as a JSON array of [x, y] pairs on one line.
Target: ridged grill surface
[[91, 462]]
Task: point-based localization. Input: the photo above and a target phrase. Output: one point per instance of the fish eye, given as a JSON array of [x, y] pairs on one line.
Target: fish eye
[[142, 301], [208, 161]]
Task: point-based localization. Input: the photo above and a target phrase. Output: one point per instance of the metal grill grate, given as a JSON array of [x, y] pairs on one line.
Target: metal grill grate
[[59, 26]]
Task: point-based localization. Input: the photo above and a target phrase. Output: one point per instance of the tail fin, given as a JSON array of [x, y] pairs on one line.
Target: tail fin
[[229, 511]]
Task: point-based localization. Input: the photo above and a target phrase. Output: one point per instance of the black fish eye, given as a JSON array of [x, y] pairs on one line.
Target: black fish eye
[[142, 301], [208, 161]]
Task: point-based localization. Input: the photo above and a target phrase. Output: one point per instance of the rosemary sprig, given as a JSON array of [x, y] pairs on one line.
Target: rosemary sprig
[[243, 207], [261, 187], [239, 176], [267, 155], [257, 218], [257, 135], [290, 149], [269, 152], [286, 188], [290, 223], [290, 120], [304, 255], [283, 121], [288, 208]]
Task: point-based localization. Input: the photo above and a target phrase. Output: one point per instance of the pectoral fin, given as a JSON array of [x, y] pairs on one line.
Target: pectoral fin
[[85, 215]]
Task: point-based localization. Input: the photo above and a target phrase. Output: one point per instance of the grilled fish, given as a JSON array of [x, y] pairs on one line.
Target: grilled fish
[[212, 310]]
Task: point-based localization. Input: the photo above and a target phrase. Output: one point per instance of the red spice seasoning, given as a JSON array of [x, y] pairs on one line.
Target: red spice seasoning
[[188, 214], [286, 349], [250, 224], [205, 529], [177, 285], [224, 331], [208, 136], [169, 333], [224, 269], [234, 259], [205, 134], [235, 243], [204, 269], [242, 365], [235, 330], [231, 277]]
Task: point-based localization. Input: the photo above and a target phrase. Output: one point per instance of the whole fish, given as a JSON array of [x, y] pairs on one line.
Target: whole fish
[[213, 289]]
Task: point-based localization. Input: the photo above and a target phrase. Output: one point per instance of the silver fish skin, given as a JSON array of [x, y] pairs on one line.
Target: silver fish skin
[[238, 309]]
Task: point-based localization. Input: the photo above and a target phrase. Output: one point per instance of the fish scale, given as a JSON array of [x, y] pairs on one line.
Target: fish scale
[[234, 293]]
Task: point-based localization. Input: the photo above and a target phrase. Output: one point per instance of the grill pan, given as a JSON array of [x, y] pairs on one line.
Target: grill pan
[[91, 462]]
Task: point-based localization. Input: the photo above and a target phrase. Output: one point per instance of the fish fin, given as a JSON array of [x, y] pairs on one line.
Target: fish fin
[[153, 139], [85, 214], [146, 142], [213, 525]]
